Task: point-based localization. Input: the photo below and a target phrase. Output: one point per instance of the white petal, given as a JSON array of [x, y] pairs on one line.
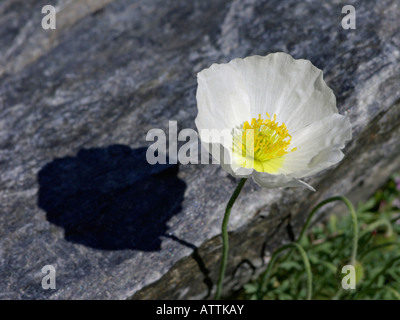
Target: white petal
[[318, 146], [223, 156], [292, 89], [266, 180], [222, 100]]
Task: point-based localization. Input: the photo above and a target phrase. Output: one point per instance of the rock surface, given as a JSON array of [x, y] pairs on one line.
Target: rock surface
[[76, 104]]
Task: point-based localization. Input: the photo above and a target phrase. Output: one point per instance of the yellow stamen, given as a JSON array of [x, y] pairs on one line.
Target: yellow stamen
[[262, 144]]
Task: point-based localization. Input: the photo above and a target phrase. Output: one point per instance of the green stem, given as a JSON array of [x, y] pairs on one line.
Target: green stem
[[375, 278], [379, 223], [377, 247], [225, 239], [266, 274], [353, 219]]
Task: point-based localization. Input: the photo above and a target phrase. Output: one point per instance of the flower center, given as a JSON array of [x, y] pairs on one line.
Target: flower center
[[262, 144]]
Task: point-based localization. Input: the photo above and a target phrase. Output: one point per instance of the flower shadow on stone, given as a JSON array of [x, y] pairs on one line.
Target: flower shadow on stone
[[111, 198]]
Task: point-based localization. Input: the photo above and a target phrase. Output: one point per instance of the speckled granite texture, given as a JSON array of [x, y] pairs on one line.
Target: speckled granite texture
[[76, 104]]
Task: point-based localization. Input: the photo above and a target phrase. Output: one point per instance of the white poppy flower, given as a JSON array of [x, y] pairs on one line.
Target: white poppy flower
[[293, 126]]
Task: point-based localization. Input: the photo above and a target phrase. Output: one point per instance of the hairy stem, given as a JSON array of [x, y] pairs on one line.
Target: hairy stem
[[353, 219], [225, 239], [266, 274]]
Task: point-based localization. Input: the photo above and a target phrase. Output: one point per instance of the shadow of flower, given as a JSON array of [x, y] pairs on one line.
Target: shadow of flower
[[111, 198]]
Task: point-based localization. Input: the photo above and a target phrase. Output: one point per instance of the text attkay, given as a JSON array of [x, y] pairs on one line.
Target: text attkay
[[205, 309]]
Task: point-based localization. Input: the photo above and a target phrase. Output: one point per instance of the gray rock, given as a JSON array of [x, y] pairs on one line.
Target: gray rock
[[76, 104]]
